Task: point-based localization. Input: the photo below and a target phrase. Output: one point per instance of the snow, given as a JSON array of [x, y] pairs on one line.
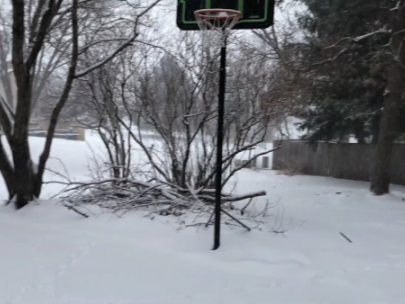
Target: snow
[[51, 255], [289, 129]]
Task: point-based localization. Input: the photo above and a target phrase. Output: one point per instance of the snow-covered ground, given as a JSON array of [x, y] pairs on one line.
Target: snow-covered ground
[[50, 255]]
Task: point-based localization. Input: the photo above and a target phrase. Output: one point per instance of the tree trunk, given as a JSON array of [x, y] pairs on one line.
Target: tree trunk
[[380, 178], [23, 173]]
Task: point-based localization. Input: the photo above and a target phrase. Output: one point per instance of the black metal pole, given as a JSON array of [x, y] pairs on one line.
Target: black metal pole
[[220, 135]]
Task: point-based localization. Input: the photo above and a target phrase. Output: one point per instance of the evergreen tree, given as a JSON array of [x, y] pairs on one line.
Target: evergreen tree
[[349, 75], [355, 51]]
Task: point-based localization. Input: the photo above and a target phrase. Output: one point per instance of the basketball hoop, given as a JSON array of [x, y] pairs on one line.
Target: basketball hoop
[[216, 21], [215, 26]]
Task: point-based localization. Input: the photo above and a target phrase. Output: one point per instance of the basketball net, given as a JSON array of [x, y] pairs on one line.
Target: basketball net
[[216, 25]]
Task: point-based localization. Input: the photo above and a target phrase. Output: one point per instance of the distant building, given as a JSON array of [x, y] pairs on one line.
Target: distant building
[[38, 126]]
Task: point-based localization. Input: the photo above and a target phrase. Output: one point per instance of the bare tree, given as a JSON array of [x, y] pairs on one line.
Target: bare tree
[[35, 27], [173, 94], [164, 106], [177, 99], [100, 98]]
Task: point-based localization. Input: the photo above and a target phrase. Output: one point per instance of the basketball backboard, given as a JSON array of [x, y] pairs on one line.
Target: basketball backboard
[[256, 14]]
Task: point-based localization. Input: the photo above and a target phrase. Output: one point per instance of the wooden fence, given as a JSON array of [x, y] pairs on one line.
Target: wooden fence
[[347, 161]]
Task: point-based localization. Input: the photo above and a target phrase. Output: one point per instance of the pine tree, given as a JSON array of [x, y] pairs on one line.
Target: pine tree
[[356, 52], [349, 78]]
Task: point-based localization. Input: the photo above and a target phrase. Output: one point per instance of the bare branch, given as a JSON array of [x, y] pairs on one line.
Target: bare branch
[[123, 46]]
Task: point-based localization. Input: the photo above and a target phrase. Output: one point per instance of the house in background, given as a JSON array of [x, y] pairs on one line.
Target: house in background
[[64, 129], [38, 126], [263, 162]]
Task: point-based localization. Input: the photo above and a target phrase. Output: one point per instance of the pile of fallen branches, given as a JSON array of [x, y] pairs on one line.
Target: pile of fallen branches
[[160, 198], [120, 196]]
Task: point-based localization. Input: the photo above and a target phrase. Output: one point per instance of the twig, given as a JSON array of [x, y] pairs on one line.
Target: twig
[[236, 220], [244, 208], [243, 197], [209, 220], [196, 224], [347, 239], [75, 210]]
